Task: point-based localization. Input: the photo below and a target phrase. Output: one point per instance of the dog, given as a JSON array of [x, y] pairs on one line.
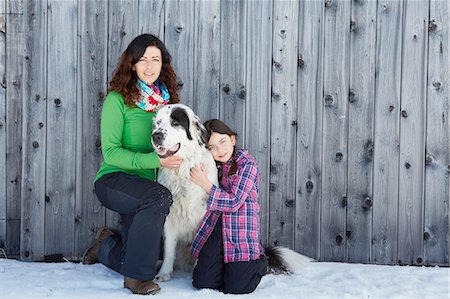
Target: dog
[[178, 130]]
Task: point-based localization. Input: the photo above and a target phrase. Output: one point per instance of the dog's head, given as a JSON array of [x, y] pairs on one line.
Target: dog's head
[[177, 130]]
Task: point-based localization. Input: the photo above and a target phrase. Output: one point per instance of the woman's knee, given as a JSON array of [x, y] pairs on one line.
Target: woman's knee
[[159, 198]]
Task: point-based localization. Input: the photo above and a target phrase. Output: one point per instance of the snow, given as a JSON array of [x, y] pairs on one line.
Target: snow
[[318, 280]]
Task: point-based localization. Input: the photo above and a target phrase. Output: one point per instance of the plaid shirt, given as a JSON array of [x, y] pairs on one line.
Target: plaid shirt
[[237, 201]]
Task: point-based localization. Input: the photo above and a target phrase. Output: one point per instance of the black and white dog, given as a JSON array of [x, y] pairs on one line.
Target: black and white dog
[[177, 130]]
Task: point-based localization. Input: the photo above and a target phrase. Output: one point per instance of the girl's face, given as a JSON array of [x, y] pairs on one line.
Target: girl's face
[[221, 146], [149, 65]]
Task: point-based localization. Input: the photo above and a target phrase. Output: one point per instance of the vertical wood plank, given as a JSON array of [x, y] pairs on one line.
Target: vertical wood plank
[[2, 123], [91, 91], [179, 40], [233, 65], [258, 93], [309, 139], [206, 58], [387, 134], [61, 128], [361, 117], [412, 132], [436, 221], [283, 123], [335, 126], [151, 17], [34, 139], [14, 110], [122, 29]]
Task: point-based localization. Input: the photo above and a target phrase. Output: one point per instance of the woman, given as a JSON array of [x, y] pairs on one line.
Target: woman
[[227, 244], [142, 82]]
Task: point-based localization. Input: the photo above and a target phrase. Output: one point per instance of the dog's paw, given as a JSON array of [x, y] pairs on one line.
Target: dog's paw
[[161, 277]]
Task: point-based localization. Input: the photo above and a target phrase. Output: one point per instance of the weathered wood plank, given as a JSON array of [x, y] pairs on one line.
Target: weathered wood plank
[[2, 123], [61, 127], [283, 123], [361, 117], [122, 29], [258, 90], [179, 40], [436, 230], [309, 134], [206, 58], [335, 135], [91, 91], [387, 134], [412, 132], [232, 65], [13, 129], [34, 141], [151, 17]]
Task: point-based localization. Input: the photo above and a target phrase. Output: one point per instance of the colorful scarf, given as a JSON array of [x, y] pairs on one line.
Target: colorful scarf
[[152, 97]]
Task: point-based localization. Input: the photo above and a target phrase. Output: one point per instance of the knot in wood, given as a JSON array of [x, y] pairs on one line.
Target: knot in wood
[[57, 102], [407, 165], [426, 235], [309, 186], [26, 253], [391, 108], [180, 83], [348, 233], [47, 198], [428, 160], [344, 202], [432, 26], [367, 203], [351, 96], [294, 123], [1, 124], [339, 157], [277, 66], [242, 93], [35, 144], [226, 89], [329, 100], [41, 125], [179, 28], [37, 97], [419, 260], [300, 62], [339, 239], [352, 26], [437, 85], [404, 113], [123, 33]]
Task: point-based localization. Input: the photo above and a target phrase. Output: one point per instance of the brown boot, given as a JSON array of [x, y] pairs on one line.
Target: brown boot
[[141, 287], [90, 256]]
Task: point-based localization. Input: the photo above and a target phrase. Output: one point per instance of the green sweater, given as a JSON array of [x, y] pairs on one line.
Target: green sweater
[[125, 137]]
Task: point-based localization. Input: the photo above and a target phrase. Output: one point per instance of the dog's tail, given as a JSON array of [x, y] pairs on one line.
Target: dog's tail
[[283, 260]]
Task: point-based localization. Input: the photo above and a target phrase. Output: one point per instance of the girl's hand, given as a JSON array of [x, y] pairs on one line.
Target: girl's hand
[[171, 162], [200, 177]]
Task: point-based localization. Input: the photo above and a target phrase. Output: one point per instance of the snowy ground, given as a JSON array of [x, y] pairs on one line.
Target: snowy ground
[[319, 280]]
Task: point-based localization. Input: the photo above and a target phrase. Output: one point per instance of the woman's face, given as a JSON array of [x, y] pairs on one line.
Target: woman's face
[[221, 146], [149, 65]]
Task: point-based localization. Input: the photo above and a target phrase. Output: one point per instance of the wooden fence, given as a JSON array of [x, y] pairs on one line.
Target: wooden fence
[[344, 104]]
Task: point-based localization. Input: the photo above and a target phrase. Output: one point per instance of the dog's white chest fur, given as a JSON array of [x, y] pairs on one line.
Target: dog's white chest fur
[[177, 130]]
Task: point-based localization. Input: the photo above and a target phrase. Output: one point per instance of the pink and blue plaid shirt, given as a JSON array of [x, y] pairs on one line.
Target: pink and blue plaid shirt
[[237, 201]]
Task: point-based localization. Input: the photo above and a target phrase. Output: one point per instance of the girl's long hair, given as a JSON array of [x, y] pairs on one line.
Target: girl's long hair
[[218, 126], [124, 78]]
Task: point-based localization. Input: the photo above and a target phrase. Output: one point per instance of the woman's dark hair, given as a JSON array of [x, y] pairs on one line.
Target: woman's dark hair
[[124, 78], [218, 126]]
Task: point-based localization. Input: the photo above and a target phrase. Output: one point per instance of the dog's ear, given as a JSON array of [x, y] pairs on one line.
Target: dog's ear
[[179, 117], [203, 134]]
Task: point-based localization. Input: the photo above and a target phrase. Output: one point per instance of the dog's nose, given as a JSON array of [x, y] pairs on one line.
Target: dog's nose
[[157, 137]]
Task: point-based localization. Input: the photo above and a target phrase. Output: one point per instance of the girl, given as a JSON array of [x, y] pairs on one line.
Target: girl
[[227, 244], [142, 82]]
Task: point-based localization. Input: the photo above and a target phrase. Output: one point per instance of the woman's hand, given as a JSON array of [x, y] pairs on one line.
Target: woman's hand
[[171, 162], [200, 177]]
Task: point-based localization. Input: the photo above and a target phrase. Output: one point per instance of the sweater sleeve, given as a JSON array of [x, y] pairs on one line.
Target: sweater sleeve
[[111, 126], [241, 185]]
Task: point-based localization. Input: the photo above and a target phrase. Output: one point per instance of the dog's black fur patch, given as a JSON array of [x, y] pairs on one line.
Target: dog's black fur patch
[[179, 117]]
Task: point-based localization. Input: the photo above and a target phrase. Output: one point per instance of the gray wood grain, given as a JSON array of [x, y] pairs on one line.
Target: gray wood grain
[[309, 133], [436, 221], [90, 215], [3, 122], [283, 123], [360, 135], [34, 140], [233, 65], [61, 128], [151, 17], [387, 132], [335, 135], [258, 96], [412, 132]]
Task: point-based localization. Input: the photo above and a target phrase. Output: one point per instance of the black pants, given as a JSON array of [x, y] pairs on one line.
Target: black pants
[[235, 278], [143, 206]]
